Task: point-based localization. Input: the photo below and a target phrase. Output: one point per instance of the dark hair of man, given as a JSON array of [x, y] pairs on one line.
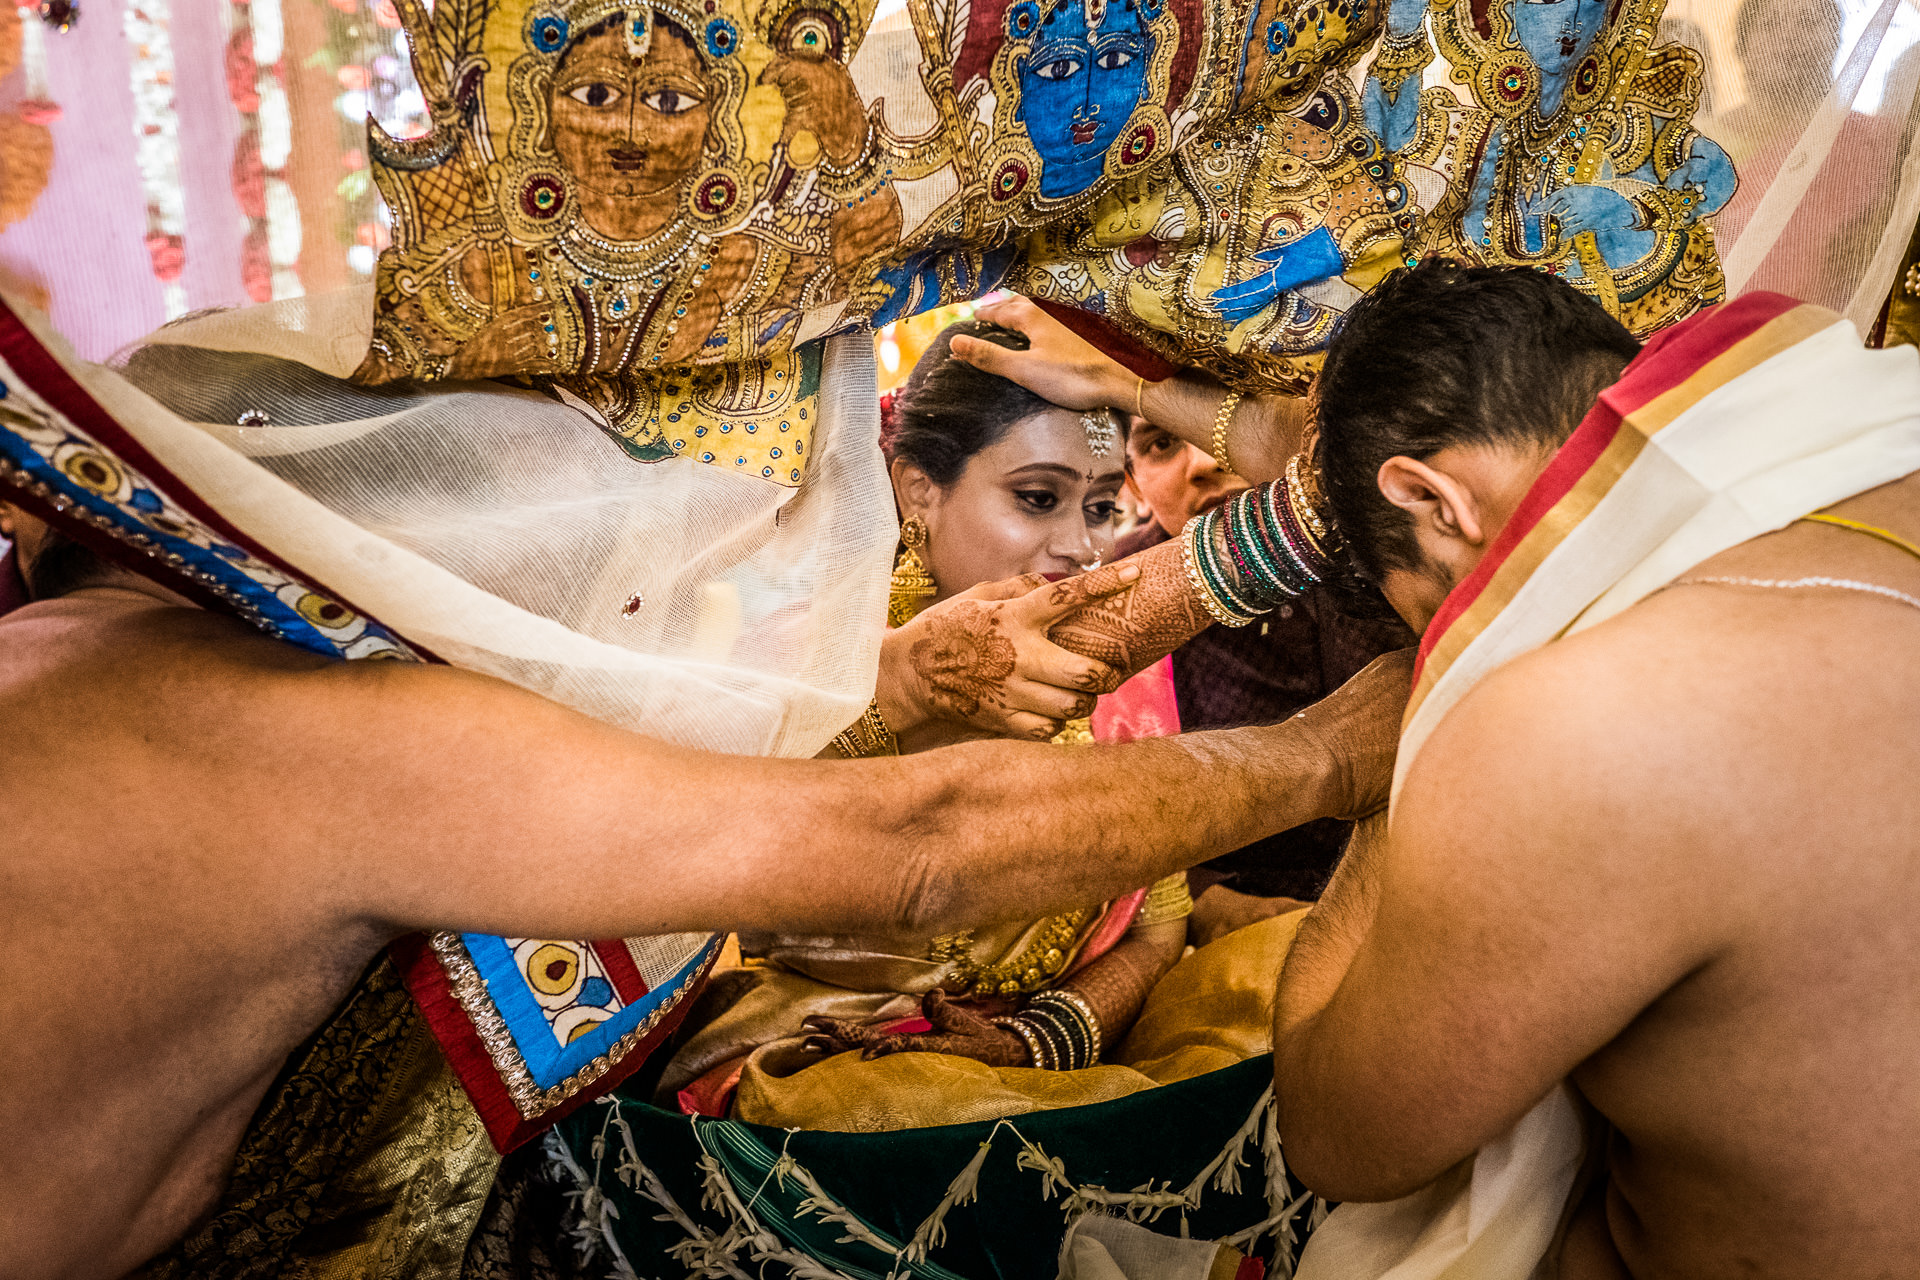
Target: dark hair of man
[[949, 410], [1444, 354]]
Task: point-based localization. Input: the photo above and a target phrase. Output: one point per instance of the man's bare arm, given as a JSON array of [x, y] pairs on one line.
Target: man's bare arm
[[1535, 894], [453, 801]]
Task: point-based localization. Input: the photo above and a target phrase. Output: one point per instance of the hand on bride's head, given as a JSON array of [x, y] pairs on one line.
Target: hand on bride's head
[[1058, 364], [981, 664]]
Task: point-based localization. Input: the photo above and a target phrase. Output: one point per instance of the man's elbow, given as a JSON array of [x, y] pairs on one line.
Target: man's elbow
[[1345, 1157]]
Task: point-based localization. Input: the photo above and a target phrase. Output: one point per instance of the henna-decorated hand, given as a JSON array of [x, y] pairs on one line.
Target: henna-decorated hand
[[982, 665], [956, 1030], [1058, 364], [1134, 628], [1359, 723]]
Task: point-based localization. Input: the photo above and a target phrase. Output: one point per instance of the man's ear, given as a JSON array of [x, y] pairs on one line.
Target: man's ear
[[8, 512], [914, 491], [1438, 503]]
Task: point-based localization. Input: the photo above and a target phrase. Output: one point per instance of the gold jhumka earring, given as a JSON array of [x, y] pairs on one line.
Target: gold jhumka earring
[[911, 585]]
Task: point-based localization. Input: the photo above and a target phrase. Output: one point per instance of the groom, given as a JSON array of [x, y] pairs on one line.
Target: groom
[[1670, 858]]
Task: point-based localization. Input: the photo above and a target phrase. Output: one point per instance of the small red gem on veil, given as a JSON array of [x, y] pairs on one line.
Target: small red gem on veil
[[632, 606]]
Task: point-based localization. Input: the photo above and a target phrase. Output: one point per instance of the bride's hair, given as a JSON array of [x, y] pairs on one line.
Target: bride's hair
[[948, 410]]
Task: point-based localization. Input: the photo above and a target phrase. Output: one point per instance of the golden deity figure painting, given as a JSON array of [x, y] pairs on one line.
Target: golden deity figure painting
[[658, 206]]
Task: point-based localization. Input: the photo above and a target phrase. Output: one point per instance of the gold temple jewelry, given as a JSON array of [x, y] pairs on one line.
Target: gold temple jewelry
[[1221, 421], [1871, 530], [1140, 397], [911, 585], [870, 735]]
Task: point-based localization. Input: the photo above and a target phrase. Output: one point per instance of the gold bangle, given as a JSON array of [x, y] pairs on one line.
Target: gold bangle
[[870, 735], [1301, 498], [1140, 397], [1221, 421]]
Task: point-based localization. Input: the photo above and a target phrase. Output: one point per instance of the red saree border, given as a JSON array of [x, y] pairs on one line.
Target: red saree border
[[1668, 361], [50, 379]]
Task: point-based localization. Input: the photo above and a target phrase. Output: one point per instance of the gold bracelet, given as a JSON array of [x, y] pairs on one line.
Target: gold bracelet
[[1301, 497], [1196, 528], [1221, 421], [1140, 397], [1167, 899], [870, 735]]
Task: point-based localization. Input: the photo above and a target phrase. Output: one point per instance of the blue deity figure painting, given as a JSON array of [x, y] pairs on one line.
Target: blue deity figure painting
[[1080, 82], [1580, 156]]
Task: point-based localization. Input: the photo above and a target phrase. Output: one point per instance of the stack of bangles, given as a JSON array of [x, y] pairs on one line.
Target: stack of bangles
[[1260, 549], [1059, 1030]]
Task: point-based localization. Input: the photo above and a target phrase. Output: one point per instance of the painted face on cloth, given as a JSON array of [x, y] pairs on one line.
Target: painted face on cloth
[[628, 126], [1557, 35], [1079, 85]]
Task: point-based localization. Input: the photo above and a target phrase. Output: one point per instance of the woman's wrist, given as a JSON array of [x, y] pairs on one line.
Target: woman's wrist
[[893, 690]]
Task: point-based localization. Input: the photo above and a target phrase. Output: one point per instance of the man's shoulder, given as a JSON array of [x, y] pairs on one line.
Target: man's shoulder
[[1633, 714]]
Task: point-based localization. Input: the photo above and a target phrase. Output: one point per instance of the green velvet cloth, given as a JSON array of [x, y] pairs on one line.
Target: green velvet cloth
[[892, 1181]]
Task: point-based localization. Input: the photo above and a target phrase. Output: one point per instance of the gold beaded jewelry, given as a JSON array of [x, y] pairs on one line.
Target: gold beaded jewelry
[[1221, 421], [870, 735]]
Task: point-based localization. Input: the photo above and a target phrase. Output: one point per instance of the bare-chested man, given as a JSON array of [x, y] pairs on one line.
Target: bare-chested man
[[1674, 858], [208, 835]]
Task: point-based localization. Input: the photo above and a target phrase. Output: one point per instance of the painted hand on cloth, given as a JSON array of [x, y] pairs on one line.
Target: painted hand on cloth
[[955, 1030], [983, 665], [1312, 257]]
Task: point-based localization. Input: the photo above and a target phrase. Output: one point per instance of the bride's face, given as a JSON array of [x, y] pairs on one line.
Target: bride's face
[[1036, 501]]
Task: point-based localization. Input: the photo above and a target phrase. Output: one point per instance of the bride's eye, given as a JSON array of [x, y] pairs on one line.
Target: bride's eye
[[597, 94], [1101, 512], [1039, 500]]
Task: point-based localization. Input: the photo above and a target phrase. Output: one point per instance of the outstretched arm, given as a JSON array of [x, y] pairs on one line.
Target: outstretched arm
[[428, 797], [1061, 366]]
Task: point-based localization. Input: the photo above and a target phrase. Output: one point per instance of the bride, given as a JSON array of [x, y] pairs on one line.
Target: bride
[[998, 490]]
